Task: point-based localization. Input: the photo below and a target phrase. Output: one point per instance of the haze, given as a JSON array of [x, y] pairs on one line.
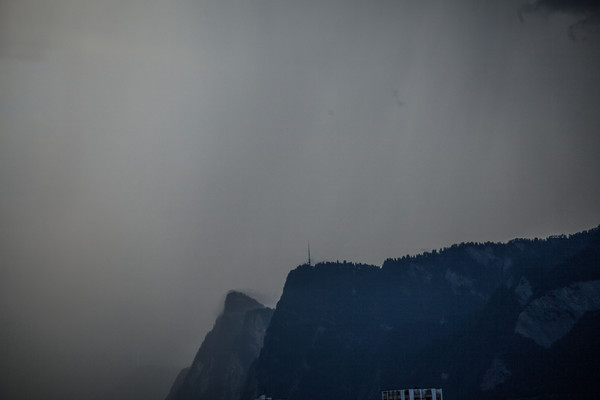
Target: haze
[[154, 155]]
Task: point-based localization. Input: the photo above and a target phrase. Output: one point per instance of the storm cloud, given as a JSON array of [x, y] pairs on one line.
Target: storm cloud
[[155, 155], [567, 6], [587, 13]]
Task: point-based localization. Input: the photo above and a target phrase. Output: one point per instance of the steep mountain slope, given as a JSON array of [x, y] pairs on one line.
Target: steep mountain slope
[[537, 346], [460, 319], [222, 362]]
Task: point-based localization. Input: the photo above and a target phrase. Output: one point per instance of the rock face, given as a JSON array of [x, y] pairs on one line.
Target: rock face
[[551, 316], [475, 319], [221, 365], [480, 320]]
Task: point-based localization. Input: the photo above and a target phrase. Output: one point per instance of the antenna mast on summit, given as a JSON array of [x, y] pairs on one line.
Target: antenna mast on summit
[[309, 253]]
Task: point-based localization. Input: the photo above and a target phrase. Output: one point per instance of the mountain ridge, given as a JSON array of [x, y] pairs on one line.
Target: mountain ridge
[[466, 318], [220, 367]]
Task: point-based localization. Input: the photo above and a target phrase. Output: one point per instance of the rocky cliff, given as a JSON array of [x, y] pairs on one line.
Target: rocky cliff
[[221, 365], [480, 320], [475, 319]]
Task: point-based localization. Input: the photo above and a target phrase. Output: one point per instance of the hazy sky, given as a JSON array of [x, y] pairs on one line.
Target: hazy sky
[[155, 154]]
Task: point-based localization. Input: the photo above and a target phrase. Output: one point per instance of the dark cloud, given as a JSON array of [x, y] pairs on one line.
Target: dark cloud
[[568, 6], [155, 155], [587, 13]]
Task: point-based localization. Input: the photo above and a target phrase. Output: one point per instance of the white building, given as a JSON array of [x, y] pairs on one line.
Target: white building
[[412, 394]]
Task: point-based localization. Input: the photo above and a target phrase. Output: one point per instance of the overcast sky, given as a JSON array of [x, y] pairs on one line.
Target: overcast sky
[[156, 154]]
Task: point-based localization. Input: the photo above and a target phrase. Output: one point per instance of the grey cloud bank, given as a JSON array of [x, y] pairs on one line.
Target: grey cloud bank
[[155, 155], [587, 12]]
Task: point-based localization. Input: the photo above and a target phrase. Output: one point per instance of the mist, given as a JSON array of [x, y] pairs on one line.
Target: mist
[[154, 155]]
